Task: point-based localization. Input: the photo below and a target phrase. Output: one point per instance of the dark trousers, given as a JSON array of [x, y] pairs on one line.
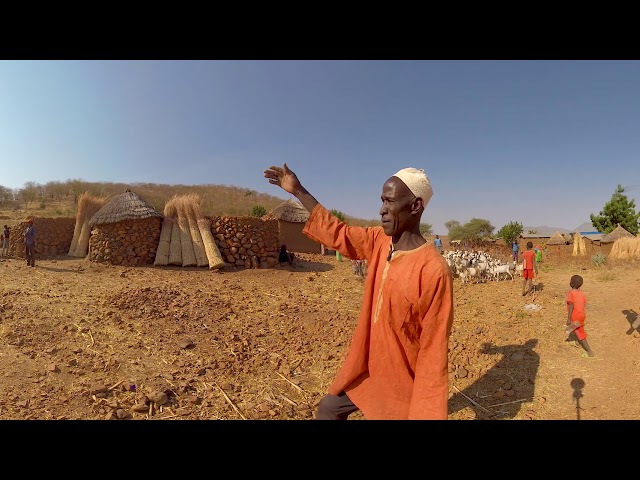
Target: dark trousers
[[31, 254], [335, 407]]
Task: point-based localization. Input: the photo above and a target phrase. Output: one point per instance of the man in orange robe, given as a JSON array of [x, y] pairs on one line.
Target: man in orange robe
[[396, 367]]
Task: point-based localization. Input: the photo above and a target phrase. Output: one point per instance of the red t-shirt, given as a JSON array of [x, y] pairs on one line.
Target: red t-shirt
[[528, 258], [579, 300]]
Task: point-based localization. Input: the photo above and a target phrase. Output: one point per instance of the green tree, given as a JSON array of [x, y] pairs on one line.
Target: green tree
[[473, 232], [511, 231], [338, 214], [426, 229], [258, 211], [618, 210]]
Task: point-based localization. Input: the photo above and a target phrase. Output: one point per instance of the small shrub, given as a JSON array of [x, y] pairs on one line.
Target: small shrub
[[606, 277], [599, 259]]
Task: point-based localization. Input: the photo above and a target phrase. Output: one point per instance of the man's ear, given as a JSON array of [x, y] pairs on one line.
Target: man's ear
[[417, 206]]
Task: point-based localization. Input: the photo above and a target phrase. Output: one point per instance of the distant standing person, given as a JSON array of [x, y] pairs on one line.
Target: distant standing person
[[438, 244], [5, 241], [576, 303], [30, 243], [514, 249], [538, 251], [529, 264]]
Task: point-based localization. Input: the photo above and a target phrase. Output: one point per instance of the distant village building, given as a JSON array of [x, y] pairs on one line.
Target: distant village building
[[291, 217]]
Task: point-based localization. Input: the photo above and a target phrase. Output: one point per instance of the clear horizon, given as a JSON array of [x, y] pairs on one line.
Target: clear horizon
[[544, 143]]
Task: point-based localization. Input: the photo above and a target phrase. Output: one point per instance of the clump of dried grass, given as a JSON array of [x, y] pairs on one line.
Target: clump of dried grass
[[626, 248], [175, 248], [186, 241], [88, 206]]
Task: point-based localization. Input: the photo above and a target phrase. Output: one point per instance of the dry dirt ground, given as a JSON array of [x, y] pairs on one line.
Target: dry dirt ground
[[81, 340]]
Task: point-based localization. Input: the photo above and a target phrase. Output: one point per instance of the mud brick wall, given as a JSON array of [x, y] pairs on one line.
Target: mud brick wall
[[53, 237], [247, 242]]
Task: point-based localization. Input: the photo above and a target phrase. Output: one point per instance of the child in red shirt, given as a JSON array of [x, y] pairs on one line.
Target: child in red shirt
[[529, 264], [576, 302]]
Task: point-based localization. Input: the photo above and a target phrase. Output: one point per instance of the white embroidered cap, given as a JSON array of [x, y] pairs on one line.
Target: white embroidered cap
[[418, 183]]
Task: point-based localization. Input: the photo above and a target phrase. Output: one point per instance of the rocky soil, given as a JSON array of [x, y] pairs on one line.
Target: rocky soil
[[82, 340]]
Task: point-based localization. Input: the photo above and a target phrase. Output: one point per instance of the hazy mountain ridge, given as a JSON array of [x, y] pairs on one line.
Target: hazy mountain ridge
[[546, 230]]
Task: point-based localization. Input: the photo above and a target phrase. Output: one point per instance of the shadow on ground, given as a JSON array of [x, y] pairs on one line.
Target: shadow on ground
[[501, 391]]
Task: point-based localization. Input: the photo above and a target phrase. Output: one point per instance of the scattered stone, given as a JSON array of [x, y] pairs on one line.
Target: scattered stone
[[186, 343]]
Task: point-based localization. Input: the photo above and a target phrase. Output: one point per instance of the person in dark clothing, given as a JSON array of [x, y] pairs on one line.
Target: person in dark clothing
[[284, 256], [5, 241], [30, 243]]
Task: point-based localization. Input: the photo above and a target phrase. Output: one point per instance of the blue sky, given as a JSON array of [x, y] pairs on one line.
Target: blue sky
[[539, 142]]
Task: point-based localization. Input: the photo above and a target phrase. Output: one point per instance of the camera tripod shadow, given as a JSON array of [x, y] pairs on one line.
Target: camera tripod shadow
[[505, 387]]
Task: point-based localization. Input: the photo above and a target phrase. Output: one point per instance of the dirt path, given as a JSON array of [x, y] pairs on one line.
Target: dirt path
[[607, 384], [76, 337]]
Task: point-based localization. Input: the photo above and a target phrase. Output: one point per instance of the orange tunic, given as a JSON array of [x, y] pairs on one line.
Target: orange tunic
[[396, 367]]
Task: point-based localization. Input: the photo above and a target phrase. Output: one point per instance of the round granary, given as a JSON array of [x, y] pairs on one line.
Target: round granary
[[125, 231]]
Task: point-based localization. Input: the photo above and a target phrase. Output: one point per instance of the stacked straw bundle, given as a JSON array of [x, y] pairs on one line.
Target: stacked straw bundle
[[185, 238], [186, 242], [175, 248], [579, 247], [626, 248], [212, 255], [88, 206]]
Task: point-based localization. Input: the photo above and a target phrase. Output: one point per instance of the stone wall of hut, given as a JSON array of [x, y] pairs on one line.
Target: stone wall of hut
[[247, 242], [53, 237], [129, 242]]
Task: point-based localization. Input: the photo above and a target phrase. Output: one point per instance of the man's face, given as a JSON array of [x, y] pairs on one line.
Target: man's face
[[395, 212]]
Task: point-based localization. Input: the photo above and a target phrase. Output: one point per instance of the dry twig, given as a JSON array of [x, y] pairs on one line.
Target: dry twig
[[509, 403], [229, 400], [471, 400]]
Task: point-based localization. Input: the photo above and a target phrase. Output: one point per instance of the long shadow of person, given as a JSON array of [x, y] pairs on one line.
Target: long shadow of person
[[502, 390], [632, 318]]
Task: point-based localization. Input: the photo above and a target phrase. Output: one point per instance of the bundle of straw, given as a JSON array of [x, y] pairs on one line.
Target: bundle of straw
[[192, 210], [162, 254], [90, 207], [625, 248], [186, 242], [175, 248], [79, 220]]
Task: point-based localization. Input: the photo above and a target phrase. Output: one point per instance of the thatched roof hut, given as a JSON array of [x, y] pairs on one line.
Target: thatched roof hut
[[291, 217], [289, 211], [615, 234], [125, 231], [557, 239], [126, 206]]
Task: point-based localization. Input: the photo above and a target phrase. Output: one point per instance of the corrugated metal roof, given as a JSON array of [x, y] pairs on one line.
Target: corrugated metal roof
[[533, 235]]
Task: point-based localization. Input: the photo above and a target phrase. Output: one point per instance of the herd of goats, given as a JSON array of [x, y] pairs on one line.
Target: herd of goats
[[477, 267], [469, 267]]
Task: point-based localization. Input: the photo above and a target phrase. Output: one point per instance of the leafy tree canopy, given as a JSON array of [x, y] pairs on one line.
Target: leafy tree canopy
[[511, 231], [618, 210]]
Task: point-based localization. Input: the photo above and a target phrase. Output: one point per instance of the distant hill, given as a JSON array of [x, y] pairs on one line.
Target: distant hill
[[545, 230], [585, 227]]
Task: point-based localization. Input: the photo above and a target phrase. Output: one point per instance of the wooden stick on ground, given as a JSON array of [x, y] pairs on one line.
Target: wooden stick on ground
[[115, 385], [515, 401], [293, 384], [230, 402], [471, 400]]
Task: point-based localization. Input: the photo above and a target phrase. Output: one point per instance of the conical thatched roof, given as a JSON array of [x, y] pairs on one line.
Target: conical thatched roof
[[618, 232], [126, 206], [289, 211], [557, 239]]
